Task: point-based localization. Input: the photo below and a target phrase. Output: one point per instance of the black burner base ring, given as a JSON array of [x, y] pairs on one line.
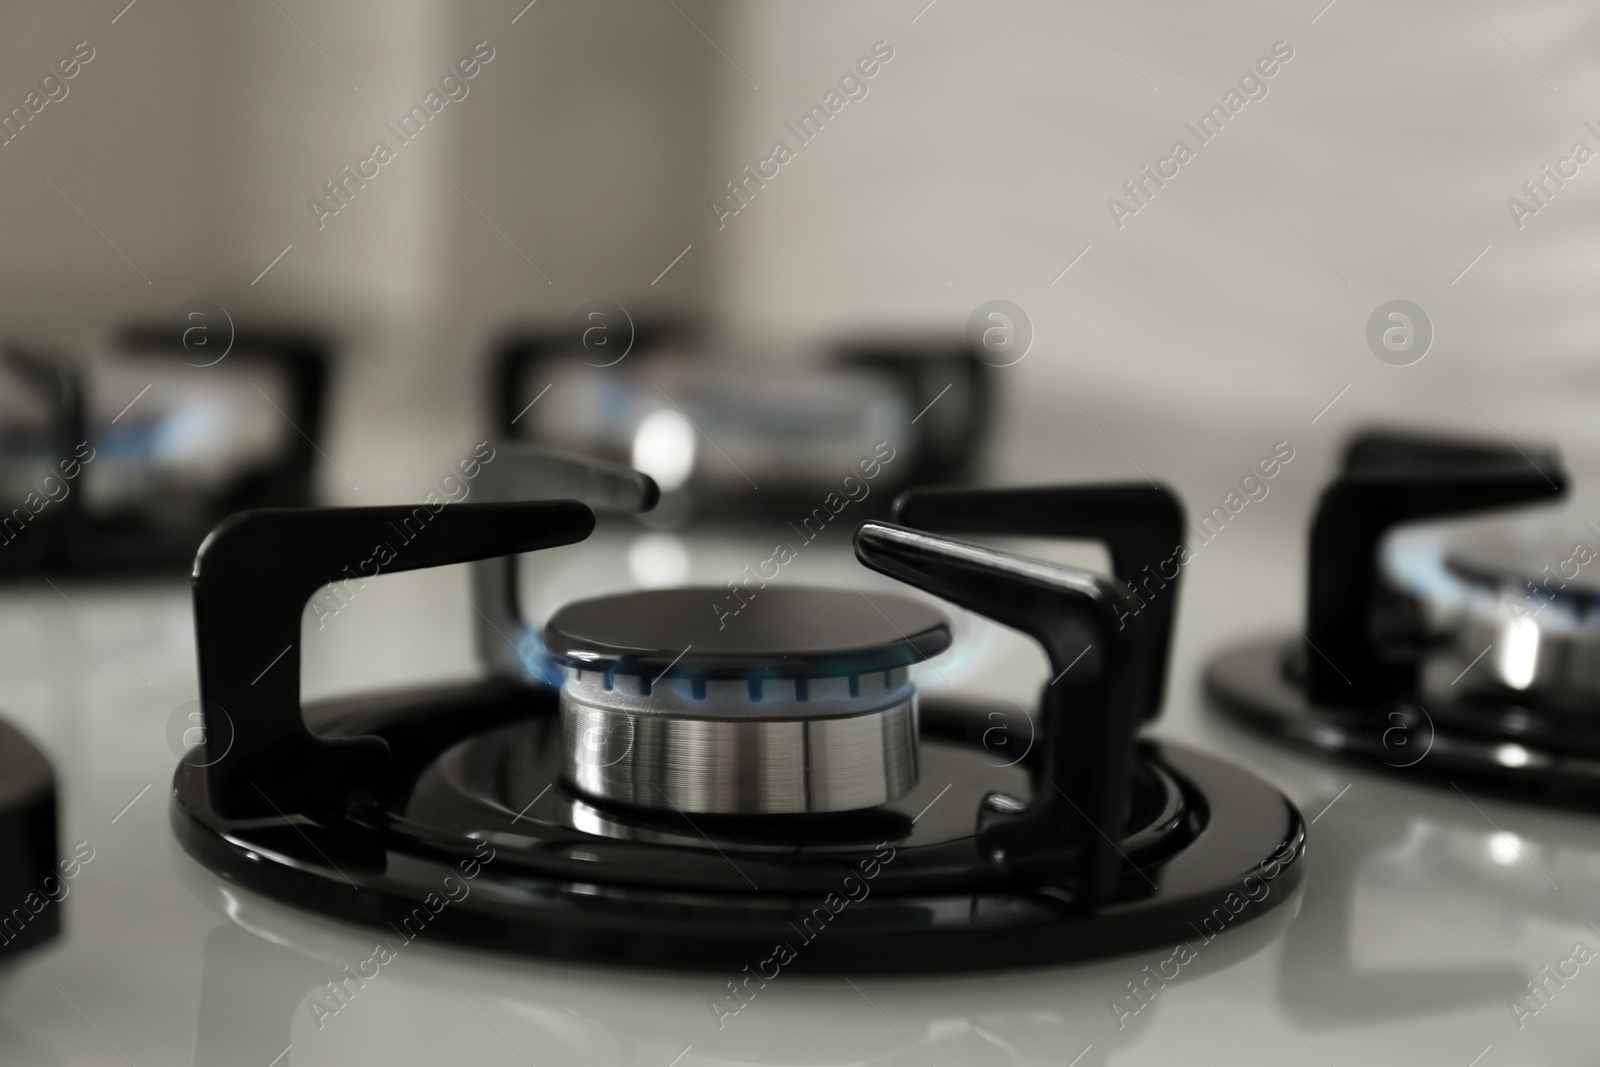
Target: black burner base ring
[[1467, 743], [1241, 858]]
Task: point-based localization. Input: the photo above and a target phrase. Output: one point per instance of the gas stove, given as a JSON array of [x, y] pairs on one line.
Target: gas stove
[[742, 778], [1420, 919]]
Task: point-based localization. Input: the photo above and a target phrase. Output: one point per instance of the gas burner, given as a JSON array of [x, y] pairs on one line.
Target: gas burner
[[1442, 649], [801, 702], [703, 786], [789, 431], [84, 496]]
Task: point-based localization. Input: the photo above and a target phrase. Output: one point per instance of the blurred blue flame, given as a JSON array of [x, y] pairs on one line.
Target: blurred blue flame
[[973, 639], [537, 666]]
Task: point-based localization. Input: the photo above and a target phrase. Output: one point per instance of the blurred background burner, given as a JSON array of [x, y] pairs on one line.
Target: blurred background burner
[[122, 462], [710, 428]]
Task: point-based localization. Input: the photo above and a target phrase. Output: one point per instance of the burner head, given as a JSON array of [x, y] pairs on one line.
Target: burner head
[[1517, 607], [797, 701]]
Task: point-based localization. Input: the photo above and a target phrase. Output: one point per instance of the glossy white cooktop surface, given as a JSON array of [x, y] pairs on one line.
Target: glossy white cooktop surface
[[1424, 913]]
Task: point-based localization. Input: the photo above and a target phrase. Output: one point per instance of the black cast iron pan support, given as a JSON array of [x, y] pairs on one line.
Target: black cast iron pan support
[[1360, 652], [520, 471], [28, 850], [1091, 710], [60, 382], [252, 578], [1140, 524]]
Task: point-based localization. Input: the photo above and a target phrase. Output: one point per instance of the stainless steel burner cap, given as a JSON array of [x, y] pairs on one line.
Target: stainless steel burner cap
[[800, 702], [727, 754], [1521, 607]]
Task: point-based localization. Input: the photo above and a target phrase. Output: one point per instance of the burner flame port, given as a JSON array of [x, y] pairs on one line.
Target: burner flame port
[[804, 705]]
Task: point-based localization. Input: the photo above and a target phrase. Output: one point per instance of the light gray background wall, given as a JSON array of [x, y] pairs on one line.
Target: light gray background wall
[[1387, 149], [1377, 167]]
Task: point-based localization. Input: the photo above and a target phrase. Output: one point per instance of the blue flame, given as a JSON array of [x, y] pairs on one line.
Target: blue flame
[[537, 666]]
